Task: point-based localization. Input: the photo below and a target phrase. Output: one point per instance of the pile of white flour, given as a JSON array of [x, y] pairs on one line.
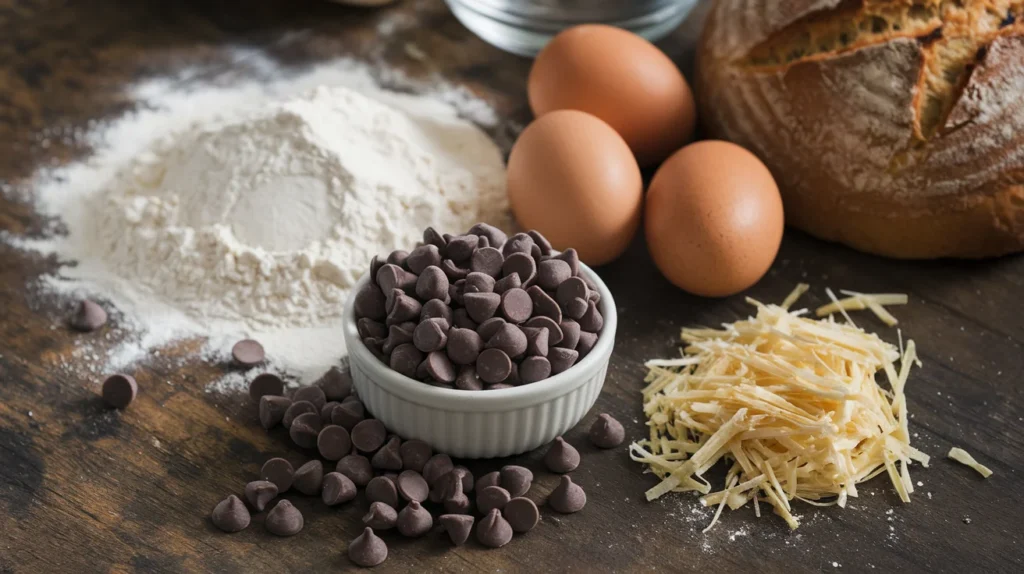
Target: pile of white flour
[[252, 210]]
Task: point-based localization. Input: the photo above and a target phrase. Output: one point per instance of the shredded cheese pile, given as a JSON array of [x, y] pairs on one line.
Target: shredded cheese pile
[[790, 402]]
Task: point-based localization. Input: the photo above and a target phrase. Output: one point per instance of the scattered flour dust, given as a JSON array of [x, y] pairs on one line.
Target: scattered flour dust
[[252, 210]]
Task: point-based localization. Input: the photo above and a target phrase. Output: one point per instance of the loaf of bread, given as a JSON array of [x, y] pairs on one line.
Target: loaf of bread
[[895, 127]]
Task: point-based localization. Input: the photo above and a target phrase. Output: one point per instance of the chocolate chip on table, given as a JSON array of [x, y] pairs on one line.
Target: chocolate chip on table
[[296, 409], [389, 456], [259, 493], [468, 380], [415, 453], [516, 305], [544, 305], [516, 479], [561, 359], [247, 353], [522, 514], [380, 516], [606, 432], [412, 486], [510, 281], [554, 330], [337, 488], [309, 477], [561, 457], [333, 442], [540, 241], [591, 321], [370, 301], [230, 515], [493, 530], [119, 391], [439, 367], [493, 366], [357, 468], [284, 519], [466, 477], [489, 479], [414, 520], [88, 316], [381, 489], [313, 394], [422, 258], [453, 498], [432, 284], [458, 527], [522, 265], [280, 472], [534, 369], [348, 414], [367, 550], [492, 497], [369, 435], [586, 343], [438, 466], [305, 429], [570, 334], [266, 384], [567, 497], [572, 258]]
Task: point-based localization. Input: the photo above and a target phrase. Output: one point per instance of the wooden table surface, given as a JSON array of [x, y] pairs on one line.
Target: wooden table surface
[[86, 489]]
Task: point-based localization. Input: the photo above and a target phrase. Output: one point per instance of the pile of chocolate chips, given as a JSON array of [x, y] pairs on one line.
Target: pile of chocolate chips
[[411, 489], [479, 311]]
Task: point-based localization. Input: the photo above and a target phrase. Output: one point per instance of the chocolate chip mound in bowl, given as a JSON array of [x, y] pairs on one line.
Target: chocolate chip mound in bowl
[[480, 344]]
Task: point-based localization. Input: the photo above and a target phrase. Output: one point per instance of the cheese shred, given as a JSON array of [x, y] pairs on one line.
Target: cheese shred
[[791, 403], [963, 457]]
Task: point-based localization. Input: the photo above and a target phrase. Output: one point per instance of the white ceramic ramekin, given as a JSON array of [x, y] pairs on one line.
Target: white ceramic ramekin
[[482, 424]]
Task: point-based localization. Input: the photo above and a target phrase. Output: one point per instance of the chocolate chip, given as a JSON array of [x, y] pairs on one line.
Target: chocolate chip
[[606, 432], [381, 489], [516, 305], [493, 365], [552, 272], [380, 517], [561, 359], [522, 514], [492, 498], [375, 264], [370, 301], [522, 265], [591, 321], [440, 367], [554, 331], [405, 358], [488, 328], [376, 349], [388, 457], [431, 335], [534, 369], [594, 295], [389, 278], [369, 434], [456, 501], [415, 453], [266, 384], [453, 271], [567, 497], [479, 283], [572, 258], [367, 550], [460, 319], [312, 394], [461, 248], [368, 328], [357, 468], [348, 414], [576, 308], [309, 477], [336, 383], [397, 335], [305, 429], [481, 306], [432, 284], [489, 479], [438, 466], [424, 257], [398, 257], [458, 527], [516, 479], [464, 346], [536, 341], [325, 412], [88, 316], [540, 241], [518, 243], [544, 305], [468, 380], [119, 391], [230, 515], [561, 457], [586, 343], [247, 353], [572, 288], [284, 519], [259, 493], [432, 237], [495, 236], [570, 334], [295, 410], [494, 531], [272, 409], [280, 472], [487, 260], [337, 488], [406, 308], [412, 486], [510, 339], [513, 376], [334, 442], [466, 477], [507, 282], [436, 309], [414, 520]]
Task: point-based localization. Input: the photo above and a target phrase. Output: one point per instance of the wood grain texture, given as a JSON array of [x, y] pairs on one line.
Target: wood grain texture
[[85, 489]]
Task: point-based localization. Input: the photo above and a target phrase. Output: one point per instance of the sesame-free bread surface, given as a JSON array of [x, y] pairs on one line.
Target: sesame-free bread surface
[[894, 127]]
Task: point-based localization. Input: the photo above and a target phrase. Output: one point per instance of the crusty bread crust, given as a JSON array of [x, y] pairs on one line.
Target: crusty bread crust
[[894, 127]]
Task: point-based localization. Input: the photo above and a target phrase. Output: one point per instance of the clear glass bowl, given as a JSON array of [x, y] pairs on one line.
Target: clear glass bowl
[[524, 26]]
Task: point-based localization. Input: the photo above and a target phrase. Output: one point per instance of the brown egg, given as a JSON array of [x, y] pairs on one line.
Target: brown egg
[[713, 219], [571, 177], [622, 79]]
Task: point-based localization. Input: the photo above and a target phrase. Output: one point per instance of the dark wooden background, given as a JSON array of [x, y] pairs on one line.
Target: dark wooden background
[[85, 489]]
